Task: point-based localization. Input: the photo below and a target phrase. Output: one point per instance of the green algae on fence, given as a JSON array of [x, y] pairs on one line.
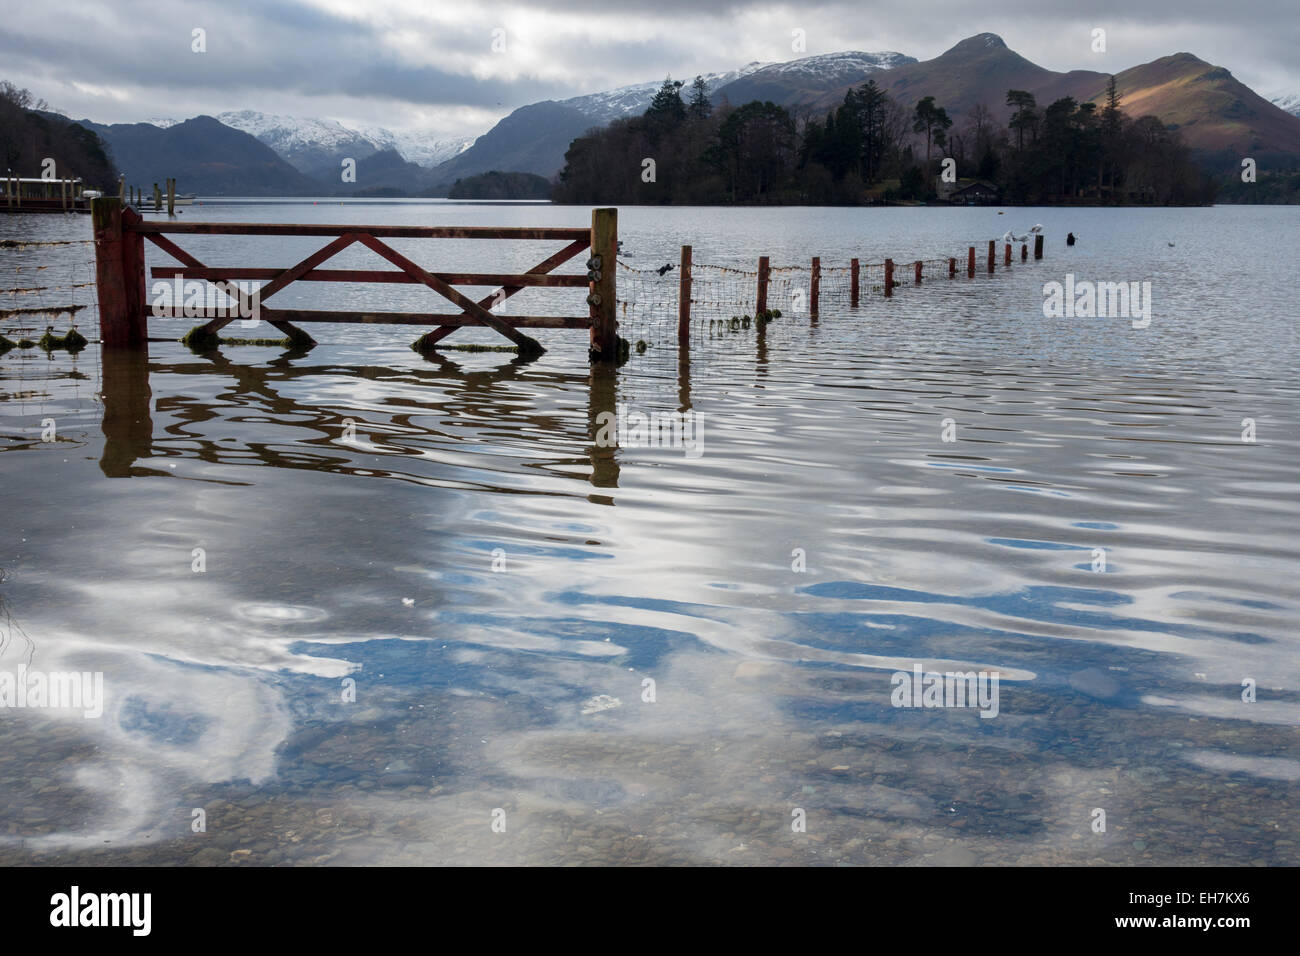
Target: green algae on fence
[[54, 311], [71, 340], [425, 344], [198, 339], [478, 347]]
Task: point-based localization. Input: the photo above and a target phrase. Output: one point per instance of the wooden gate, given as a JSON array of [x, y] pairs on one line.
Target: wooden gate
[[123, 306]]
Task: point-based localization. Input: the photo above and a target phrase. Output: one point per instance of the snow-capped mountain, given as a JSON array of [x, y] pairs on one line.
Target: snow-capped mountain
[[162, 122], [311, 144], [835, 69], [798, 82], [421, 148], [1288, 100], [632, 100], [827, 70], [315, 146], [290, 132], [534, 138]]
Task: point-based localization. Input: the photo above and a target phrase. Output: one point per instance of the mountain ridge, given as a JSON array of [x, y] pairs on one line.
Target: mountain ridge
[[1213, 111], [204, 155]]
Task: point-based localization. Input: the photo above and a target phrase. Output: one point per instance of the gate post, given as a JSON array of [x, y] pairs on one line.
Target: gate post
[[603, 290], [119, 276]]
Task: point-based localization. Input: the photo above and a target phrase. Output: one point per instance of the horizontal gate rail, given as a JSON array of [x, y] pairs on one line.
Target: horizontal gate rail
[[387, 232], [226, 274], [458, 320]]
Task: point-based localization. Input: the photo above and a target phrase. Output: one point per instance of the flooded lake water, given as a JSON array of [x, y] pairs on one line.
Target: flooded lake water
[[461, 630]]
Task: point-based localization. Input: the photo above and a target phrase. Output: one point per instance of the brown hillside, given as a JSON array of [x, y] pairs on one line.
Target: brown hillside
[[1209, 105], [977, 70], [1211, 108]]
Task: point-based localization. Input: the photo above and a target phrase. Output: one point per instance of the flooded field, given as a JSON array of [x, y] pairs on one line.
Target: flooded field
[[356, 606]]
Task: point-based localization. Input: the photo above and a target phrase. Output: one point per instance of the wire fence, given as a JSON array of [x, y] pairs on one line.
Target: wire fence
[[39, 293], [649, 300]]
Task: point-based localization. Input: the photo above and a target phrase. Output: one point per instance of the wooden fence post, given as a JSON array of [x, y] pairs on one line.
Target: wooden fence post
[[604, 291], [1038, 246], [157, 198], [970, 263], [853, 283], [815, 291], [1024, 251], [684, 300], [918, 271], [952, 268], [991, 256], [889, 277], [764, 276], [1006, 255], [171, 196], [119, 276]]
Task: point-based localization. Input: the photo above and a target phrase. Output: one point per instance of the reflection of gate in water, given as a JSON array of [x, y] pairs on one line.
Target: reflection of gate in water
[[133, 400]]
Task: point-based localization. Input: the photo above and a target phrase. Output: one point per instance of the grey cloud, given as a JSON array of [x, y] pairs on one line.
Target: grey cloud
[[260, 53]]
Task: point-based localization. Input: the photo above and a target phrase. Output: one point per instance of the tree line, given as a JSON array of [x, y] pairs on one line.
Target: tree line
[[29, 135], [871, 149], [498, 185]]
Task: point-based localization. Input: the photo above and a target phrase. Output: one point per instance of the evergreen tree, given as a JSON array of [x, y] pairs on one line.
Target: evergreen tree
[[1112, 126], [759, 153], [930, 120], [667, 108], [700, 107], [1026, 115]]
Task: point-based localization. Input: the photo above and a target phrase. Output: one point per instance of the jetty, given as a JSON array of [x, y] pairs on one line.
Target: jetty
[[37, 194]]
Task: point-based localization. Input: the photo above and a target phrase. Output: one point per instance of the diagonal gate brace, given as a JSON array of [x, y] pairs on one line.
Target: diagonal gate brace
[[527, 346], [289, 275], [245, 304], [429, 339]]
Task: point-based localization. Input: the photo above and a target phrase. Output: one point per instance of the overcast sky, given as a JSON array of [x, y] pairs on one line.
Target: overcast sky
[[428, 64]]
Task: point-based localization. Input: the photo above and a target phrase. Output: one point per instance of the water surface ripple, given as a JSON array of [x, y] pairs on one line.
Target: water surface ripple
[[447, 534]]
